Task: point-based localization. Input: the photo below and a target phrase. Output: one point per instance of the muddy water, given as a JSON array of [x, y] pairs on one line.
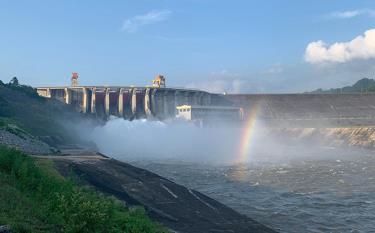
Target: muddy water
[[330, 191]]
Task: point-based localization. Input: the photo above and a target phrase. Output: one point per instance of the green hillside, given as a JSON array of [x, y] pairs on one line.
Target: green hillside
[[43, 118], [364, 85]]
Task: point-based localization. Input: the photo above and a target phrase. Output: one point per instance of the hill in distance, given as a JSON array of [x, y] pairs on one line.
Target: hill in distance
[[364, 85]]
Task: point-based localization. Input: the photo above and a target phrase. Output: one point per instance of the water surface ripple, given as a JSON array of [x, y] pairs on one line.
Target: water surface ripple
[[308, 195]]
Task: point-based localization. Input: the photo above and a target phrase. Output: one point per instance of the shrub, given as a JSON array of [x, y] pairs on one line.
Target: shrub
[[63, 205], [27, 90], [5, 109]]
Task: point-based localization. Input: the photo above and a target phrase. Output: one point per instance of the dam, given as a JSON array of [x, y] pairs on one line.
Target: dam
[[125, 101], [309, 110], [129, 102], [161, 102]]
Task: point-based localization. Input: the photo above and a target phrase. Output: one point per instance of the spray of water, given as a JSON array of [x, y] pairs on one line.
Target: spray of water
[[182, 141], [142, 139]]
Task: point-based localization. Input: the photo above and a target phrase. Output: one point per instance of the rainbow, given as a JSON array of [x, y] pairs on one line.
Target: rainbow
[[247, 135]]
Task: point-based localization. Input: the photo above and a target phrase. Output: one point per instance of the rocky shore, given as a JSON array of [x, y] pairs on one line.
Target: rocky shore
[[5, 229], [358, 137], [24, 142]]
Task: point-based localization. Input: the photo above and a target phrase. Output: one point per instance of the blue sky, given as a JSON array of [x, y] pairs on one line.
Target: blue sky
[[235, 46]]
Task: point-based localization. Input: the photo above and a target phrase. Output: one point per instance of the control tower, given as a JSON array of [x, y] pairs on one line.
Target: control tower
[[159, 81], [74, 79]]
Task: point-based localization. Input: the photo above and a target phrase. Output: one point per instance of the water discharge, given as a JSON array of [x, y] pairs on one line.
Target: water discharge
[[179, 140], [141, 139]]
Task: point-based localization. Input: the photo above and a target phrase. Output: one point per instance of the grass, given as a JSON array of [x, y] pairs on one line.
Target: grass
[[35, 198]]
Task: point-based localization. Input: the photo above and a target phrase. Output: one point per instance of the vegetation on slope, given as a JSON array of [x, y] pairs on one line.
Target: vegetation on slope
[[21, 106], [364, 85], [35, 198]]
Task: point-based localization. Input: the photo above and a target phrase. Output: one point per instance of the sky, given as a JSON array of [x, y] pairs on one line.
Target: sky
[[238, 46]]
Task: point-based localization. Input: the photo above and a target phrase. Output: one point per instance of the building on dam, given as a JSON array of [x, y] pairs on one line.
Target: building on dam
[[210, 114]]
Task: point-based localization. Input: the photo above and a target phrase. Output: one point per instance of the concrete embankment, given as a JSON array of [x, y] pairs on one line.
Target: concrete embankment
[[177, 207]]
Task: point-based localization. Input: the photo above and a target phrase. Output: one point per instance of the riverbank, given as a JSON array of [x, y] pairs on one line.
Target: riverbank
[[178, 208], [175, 206], [357, 137], [36, 198]]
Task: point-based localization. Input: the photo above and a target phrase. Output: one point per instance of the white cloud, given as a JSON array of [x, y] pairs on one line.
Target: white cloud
[[344, 14], [360, 48], [351, 14], [133, 24]]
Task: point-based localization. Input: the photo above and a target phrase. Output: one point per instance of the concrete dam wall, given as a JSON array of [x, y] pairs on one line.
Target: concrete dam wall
[[309, 110], [129, 102], [289, 110]]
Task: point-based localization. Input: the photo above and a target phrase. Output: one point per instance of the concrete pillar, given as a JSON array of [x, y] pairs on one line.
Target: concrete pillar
[[186, 98], [134, 101], [84, 100], [93, 100], [48, 93], [176, 101], [148, 103], [207, 99], [154, 108], [120, 102], [195, 100], [106, 101], [128, 114], [165, 104], [67, 96], [200, 98], [177, 98]]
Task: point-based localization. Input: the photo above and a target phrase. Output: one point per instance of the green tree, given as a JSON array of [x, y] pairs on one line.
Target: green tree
[[14, 81]]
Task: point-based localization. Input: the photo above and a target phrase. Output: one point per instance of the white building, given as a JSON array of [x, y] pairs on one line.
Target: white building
[[209, 113]]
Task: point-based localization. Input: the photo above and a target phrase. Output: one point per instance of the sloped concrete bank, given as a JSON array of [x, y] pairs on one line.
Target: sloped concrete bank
[[175, 206]]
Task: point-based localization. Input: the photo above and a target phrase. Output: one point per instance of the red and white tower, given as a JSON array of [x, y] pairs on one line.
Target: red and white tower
[[74, 79]]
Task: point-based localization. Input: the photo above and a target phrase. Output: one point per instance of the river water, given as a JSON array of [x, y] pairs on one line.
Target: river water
[[334, 193], [287, 184]]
